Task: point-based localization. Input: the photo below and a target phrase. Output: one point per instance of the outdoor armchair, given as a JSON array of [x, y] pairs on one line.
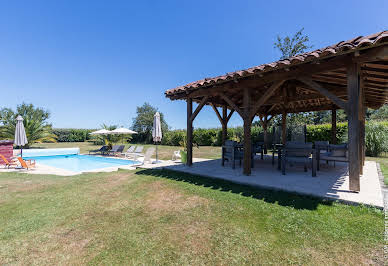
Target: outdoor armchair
[[231, 152], [336, 153], [176, 155], [321, 148], [297, 152], [258, 147]]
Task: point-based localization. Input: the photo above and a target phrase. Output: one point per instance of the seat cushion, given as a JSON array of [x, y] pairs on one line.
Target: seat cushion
[[334, 158]]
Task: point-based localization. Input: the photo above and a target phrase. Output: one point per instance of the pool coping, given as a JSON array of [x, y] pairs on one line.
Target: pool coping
[[51, 170]]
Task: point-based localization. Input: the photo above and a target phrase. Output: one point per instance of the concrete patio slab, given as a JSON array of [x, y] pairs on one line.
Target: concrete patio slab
[[331, 182]]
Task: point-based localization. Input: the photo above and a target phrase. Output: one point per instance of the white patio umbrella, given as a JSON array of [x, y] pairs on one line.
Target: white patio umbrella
[[157, 132], [101, 132], [122, 131], [20, 134]]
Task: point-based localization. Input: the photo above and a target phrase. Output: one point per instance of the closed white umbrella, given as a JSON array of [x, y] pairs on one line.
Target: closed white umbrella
[[20, 134], [157, 132]]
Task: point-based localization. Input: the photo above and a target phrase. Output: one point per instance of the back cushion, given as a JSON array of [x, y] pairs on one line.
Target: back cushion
[[338, 153]]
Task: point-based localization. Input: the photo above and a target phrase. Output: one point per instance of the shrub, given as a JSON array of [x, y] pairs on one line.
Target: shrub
[[376, 138]]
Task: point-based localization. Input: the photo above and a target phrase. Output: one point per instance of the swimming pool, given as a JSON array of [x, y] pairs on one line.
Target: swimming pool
[[80, 163]]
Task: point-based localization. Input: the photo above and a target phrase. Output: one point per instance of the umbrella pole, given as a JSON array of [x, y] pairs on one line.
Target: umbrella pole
[[156, 152]]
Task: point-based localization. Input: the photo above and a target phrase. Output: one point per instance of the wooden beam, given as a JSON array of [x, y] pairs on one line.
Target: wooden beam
[[353, 127], [265, 132], [232, 104], [272, 107], [378, 66], [339, 102], [225, 124], [199, 107], [189, 136], [217, 113], [268, 93], [284, 127], [247, 133], [229, 115], [334, 126], [376, 54]]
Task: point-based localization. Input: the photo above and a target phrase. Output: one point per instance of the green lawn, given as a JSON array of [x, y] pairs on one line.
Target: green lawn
[[163, 217], [383, 160]]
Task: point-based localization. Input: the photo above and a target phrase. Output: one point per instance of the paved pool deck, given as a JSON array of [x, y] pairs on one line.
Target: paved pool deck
[[330, 183]]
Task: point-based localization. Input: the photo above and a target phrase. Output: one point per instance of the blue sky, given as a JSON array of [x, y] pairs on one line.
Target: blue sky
[[93, 62]]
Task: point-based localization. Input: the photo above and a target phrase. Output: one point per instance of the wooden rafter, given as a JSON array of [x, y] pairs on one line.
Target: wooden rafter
[[231, 103], [268, 93], [229, 115], [339, 102], [217, 113], [199, 107]]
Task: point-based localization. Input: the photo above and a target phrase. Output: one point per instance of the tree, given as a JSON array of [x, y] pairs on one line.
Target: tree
[[143, 123], [292, 46], [379, 114], [37, 128]]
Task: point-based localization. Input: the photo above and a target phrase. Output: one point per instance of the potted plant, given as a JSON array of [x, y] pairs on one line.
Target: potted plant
[[183, 152]]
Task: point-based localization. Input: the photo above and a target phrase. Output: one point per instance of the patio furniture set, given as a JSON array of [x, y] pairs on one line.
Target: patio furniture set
[[293, 152]]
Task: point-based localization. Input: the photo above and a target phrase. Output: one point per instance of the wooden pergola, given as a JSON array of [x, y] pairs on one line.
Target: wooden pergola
[[350, 75]]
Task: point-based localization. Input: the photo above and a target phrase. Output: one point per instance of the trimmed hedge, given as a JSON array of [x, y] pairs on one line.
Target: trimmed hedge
[[376, 135], [323, 132], [72, 134]]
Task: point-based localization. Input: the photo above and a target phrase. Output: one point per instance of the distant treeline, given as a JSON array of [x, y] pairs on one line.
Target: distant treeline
[[72, 134]]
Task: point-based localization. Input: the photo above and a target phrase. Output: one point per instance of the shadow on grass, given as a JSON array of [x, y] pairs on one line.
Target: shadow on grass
[[270, 196]]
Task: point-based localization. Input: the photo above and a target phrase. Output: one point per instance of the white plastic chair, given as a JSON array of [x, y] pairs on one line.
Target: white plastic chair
[[176, 155]]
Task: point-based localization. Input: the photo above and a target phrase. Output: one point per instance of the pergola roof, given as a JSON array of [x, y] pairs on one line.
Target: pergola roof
[[324, 67]]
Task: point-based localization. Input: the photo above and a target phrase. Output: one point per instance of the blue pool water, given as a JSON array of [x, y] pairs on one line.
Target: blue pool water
[[80, 163]]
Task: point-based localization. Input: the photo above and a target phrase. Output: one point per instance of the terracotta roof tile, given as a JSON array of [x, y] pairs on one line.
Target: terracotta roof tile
[[344, 46]]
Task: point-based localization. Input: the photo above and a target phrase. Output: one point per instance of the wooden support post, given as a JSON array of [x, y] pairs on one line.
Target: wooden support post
[[284, 127], [224, 119], [265, 132], [333, 126], [189, 137], [353, 126], [247, 132], [224, 124], [361, 104]]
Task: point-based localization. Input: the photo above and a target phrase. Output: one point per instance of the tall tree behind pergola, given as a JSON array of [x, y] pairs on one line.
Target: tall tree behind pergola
[[350, 75]]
